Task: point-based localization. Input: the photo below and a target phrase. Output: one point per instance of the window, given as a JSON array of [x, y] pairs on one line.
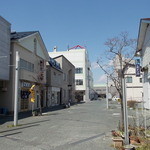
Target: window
[[26, 65], [35, 45], [140, 80], [79, 82], [64, 77], [79, 70], [129, 80]]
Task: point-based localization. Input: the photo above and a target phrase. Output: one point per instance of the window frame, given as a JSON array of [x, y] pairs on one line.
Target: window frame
[[79, 70], [129, 79], [79, 81]]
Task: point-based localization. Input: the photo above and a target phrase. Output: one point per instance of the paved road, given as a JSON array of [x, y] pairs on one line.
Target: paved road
[[84, 126]]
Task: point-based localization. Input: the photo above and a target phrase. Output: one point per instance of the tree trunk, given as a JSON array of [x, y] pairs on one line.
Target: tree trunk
[[122, 114]]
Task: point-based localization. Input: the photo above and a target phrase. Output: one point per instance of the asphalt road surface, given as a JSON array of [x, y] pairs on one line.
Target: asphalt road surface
[[85, 126]]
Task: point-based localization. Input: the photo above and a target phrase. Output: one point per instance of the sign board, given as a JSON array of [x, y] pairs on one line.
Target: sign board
[[137, 68]]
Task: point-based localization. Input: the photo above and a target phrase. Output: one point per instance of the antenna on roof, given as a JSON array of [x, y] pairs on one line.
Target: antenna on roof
[[68, 47], [55, 49]]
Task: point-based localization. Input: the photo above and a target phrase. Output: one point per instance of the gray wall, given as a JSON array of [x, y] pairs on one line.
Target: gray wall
[[4, 49]]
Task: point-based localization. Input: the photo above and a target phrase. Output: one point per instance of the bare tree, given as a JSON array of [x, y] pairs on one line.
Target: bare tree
[[120, 51]]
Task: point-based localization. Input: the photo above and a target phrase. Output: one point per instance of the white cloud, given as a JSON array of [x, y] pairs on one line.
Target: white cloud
[[110, 63], [94, 65], [102, 78]]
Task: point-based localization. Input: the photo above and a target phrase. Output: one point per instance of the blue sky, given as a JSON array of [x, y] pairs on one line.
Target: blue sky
[[71, 22]]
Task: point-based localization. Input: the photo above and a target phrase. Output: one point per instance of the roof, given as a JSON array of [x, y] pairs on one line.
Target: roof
[[4, 20], [76, 47], [64, 58], [99, 85], [145, 19], [144, 23], [19, 35], [53, 63]]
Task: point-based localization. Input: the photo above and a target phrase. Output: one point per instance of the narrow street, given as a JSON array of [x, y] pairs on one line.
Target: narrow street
[[84, 126]]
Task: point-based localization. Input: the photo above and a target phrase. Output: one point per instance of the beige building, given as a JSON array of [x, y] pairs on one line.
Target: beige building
[[54, 83], [32, 70], [68, 81]]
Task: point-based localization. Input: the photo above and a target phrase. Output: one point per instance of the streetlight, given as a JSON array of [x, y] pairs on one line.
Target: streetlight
[[16, 90]]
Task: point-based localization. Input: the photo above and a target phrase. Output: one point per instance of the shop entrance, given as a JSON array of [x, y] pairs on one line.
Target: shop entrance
[[24, 100]]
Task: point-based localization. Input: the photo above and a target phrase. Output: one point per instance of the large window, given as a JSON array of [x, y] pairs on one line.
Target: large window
[[129, 80], [79, 82], [79, 70], [26, 65]]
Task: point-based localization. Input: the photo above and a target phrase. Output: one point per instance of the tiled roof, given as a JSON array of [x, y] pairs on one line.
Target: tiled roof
[[54, 63], [19, 35], [145, 18]]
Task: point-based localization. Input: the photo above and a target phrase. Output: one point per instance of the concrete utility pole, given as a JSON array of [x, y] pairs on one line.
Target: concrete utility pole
[[16, 90], [107, 94], [124, 101], [125, 110]]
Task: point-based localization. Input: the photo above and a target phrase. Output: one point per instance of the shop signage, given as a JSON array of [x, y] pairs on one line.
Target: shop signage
[[137, 68], [26, 84]]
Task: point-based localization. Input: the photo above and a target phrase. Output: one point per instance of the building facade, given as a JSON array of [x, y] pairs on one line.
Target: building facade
[[78, 56], [5, 28], [54, 83], [134, 85], [32, 71], [100, 90], [143, 50], [68, 81]]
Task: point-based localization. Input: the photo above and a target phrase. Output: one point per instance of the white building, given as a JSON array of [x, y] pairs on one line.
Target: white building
[[143, 49], [78, 56], [134, 85]]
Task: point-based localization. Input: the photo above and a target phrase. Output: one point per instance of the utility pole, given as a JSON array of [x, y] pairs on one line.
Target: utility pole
[[107, 93], [124, 101], [16, 90], [125, 110]]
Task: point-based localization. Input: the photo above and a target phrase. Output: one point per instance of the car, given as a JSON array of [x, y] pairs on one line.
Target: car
[[115, 98]]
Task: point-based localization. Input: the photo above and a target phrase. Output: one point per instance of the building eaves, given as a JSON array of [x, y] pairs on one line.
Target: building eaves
[[53, 63], [4, 20], [144, 23], [64, 58], [20, 35]]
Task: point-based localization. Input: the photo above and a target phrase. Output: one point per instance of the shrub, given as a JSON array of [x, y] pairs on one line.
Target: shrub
[[131, 103]]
